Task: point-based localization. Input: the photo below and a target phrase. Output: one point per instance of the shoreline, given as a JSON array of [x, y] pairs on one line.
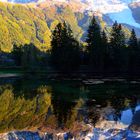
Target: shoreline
[[84, 78], [80, 74], [9, 75]]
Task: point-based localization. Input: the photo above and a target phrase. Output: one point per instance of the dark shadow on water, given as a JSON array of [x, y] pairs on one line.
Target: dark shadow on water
[[60, 104]]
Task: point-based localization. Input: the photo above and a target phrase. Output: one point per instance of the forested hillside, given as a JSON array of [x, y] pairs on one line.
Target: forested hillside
[[25, 24], [20, 24]]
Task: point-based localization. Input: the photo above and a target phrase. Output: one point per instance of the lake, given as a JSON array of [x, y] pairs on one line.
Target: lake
[[38, 108]]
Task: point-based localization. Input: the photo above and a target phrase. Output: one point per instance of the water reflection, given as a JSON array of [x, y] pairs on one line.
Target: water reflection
[[44, 105], [126, 116]]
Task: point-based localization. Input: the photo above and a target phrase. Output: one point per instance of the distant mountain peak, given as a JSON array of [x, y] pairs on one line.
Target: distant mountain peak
[[104, 6], [115, 9]]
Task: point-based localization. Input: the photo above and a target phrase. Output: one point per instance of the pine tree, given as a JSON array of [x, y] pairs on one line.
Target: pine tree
[[65, 54], [117, 44], [94, 41], [117, 39], [56, 44], [133, 42], [105, 52], [138, 59], [133, 54], [104, 39], [94, 34], [17, 53]]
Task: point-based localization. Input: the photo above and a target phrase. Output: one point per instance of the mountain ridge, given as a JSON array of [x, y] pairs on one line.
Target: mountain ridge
[[32, 23], [117, 10]]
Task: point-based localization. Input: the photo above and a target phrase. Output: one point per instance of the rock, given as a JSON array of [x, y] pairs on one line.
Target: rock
[[134, 82], [98, 106], [93, 100], [93, 82]]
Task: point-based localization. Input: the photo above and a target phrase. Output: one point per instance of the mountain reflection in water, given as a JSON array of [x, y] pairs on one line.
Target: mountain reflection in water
[[67, 106]]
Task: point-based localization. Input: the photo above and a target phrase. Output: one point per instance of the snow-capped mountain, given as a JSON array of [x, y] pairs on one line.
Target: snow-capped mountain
[[103, 6], [119, 10]]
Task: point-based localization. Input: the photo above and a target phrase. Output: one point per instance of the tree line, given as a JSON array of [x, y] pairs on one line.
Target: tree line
[[104, 53]]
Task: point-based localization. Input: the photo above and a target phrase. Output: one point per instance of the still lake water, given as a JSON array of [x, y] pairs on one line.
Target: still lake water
[[65, 105]]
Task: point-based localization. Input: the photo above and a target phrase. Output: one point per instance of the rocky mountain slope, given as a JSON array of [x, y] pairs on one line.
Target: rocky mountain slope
[[135, 8]]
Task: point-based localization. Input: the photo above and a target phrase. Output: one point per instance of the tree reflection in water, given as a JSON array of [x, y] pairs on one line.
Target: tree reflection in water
[[51, 105]]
